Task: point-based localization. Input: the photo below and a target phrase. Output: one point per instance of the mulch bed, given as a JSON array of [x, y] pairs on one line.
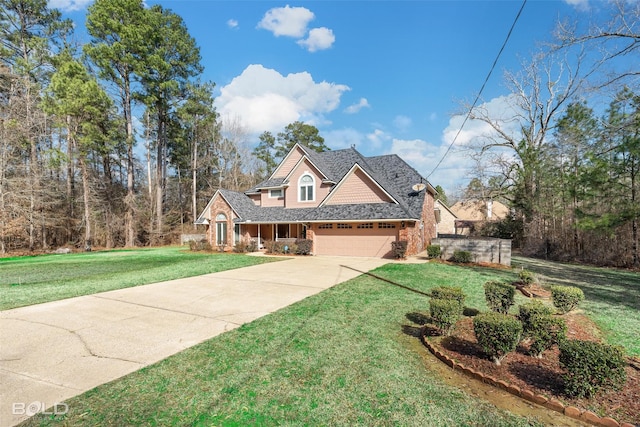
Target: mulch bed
[[544, 376]]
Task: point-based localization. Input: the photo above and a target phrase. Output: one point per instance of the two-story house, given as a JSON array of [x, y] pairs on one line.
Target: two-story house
[[347, 204]]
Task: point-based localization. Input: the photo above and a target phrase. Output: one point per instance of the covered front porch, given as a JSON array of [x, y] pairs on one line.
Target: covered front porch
[[261, 233]]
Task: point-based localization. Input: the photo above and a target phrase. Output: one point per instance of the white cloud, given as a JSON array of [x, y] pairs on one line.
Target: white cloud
[[424, 157], [68, 5], [287, 21], [352, 109], [318, 39], [403, 123], [501, 109], [343, 138], [265, 100], [378, 137], [232, 23], [578, 4]]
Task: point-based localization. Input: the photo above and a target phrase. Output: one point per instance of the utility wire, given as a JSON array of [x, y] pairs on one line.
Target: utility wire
[[493, 66]]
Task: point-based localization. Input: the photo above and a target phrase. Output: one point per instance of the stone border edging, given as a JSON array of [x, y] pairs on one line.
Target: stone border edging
[[553, 404]]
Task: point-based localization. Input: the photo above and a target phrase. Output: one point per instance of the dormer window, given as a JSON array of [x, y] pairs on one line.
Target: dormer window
[[275, 193], [305, 193]]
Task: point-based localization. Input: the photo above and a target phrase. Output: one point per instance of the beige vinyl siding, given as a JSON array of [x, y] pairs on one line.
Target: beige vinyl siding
[[358, 188], [289, 163]]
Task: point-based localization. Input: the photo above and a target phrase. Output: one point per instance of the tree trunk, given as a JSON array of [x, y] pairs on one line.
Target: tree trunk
[[130, 199], [194, 183], [88, 238]]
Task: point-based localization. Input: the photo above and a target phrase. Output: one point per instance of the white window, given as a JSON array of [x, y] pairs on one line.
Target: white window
[[221, 229], [386, 225], [276, 193], [325, 226], [306, 189], [344, 226], [366, 225]]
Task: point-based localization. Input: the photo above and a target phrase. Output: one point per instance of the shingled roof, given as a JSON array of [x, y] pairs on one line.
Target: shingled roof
[[391, 173]]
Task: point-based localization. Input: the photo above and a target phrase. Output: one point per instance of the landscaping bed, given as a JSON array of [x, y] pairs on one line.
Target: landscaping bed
[[543, 376]]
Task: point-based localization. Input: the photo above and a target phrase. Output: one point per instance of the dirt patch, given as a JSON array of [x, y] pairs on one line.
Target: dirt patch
[[544, 376]]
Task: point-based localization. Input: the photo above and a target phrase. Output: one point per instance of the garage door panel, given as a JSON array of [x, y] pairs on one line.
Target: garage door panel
[[355, 242]]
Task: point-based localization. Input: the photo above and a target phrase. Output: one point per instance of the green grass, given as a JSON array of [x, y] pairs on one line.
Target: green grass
[[612, 297], [37, 279], [344, 357]]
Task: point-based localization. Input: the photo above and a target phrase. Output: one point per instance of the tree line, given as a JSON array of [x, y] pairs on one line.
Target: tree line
[[566, 157], [114, 143]]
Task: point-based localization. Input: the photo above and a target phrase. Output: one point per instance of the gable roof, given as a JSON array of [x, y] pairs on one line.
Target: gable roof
[[389, 173], [476, 210]]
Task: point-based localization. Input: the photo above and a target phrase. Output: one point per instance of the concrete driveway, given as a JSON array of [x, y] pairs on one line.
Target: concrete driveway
[[54, 351]]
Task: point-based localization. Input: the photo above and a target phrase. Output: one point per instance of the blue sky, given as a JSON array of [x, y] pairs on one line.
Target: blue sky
[[387, 76]]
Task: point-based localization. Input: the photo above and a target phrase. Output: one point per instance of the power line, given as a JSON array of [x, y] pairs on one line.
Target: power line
[[493, 66]]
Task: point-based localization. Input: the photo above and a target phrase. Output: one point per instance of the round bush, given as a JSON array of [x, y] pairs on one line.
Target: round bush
[[461, 257], [527, 277], [591, 367], [566, 298], [498, 334], [434, 251], [444, 313], [500, 296]]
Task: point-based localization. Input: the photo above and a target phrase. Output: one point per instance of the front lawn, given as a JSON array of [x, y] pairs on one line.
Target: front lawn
[[612, 297], [340, 357], [36, 279]]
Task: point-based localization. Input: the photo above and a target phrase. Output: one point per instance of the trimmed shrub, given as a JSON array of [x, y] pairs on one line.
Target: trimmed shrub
[[591, 367], [527, 277], [541, 327], [450, 293], [461, 257], [434, 251], [531, 310], [274, 247], [498, 334], [444, 313], [245, 246], [566, 298], [500, 296], [304, 246], [201, 245], [399, 249]]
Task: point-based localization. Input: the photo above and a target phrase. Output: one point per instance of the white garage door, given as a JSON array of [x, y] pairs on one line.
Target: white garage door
[[366, 242]]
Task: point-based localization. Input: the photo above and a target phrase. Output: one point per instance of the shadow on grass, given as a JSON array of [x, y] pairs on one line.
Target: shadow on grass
[[600, 285], [418, 318]]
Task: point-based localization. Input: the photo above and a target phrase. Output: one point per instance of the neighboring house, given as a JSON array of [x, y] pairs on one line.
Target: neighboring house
[[445, 219], [473, 212], [347, 204]]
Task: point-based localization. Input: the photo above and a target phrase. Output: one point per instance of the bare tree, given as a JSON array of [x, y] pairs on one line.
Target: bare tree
[[539, 94]]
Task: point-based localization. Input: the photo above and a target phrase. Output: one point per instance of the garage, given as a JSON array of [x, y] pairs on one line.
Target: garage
[[366, 239]]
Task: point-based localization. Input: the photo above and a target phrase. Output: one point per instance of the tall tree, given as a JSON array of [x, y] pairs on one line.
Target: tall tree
[[199, 123], [265, 151], [173, 58], [77, 99], [120, 30], [539, 94], [617, 171], [28, 32], [575, 134], [299, 133]]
